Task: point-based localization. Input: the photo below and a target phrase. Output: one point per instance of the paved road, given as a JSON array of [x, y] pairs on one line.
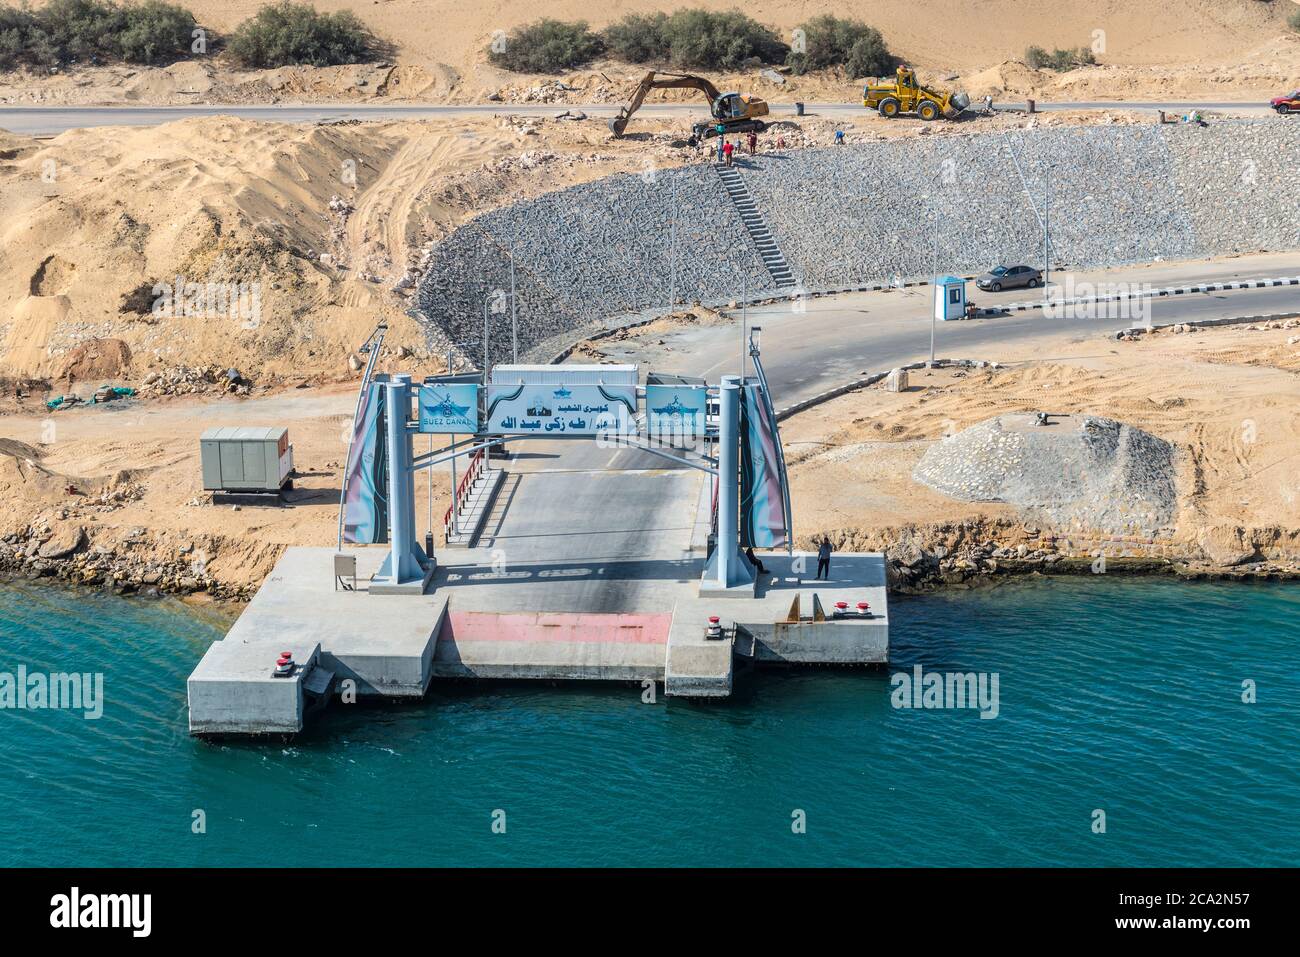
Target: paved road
[[590, 529], [45, 121], [585, 535], [836, 339]]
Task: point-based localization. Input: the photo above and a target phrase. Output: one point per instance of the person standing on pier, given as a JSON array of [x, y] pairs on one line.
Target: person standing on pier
[[824, 558]]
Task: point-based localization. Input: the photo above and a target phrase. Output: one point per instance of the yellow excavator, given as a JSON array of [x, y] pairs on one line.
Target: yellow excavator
[[904, 95], [734, 112]]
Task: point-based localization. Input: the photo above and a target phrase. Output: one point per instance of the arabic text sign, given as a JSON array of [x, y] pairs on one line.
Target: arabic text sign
[[553, 409], [449, 409], [675, 409]]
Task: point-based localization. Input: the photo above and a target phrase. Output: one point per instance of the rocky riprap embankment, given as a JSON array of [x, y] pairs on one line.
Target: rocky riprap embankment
[[1081, 472], [130, 565], [865, 213], [981, 551], [587, 253]]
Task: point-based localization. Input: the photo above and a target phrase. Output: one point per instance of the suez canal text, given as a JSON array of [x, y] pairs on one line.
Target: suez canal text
[[1193, 898]]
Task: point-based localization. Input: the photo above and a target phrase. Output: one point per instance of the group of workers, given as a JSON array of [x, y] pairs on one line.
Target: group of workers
[[726, 149]]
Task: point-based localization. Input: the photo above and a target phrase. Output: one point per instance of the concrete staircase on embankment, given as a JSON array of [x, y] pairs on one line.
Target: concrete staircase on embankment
[[773, 258]]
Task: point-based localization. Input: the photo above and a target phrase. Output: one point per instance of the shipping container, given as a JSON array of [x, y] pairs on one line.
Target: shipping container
[[238, 459]]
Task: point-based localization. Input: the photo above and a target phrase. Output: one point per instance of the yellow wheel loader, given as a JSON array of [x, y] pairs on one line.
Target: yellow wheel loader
[[904, 95], [733, 112]]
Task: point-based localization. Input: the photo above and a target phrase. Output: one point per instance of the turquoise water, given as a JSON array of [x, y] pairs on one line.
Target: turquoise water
[[1115, 694]]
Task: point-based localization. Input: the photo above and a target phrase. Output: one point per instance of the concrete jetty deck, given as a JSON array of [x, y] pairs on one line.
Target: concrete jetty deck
[[584, 575], [396, 645]]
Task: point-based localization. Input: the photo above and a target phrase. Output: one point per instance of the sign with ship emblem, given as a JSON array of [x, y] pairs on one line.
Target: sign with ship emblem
[[672, 410], [449, 408], [557, 409]]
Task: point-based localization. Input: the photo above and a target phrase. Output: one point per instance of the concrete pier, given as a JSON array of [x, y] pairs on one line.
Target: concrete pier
[[394, 646], [583, 578]]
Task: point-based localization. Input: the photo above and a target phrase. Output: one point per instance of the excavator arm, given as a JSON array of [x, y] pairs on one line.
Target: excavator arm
[[662, 81]]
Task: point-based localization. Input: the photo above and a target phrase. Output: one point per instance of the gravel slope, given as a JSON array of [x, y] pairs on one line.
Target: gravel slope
[[859, 214]]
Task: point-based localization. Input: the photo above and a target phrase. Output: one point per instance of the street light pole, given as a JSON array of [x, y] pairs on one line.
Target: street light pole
[[1047, 230], [934, 283], [514, 319], [672, 252], [744, 321]]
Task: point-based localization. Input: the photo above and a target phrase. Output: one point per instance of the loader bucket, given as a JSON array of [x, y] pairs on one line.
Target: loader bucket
[[958, 104]]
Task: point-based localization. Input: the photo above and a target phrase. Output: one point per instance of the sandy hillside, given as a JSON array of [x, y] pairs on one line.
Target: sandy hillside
[[1234, 48], [324, 220], [960, 36], [329, 223]]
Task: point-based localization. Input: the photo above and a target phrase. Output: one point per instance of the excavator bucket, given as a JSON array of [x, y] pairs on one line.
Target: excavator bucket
[[618, 124]]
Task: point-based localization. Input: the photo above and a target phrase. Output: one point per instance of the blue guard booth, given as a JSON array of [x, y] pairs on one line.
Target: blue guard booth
[[949, 298]]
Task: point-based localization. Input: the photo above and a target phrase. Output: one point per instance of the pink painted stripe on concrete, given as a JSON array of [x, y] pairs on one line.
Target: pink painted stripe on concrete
[[647, 629]]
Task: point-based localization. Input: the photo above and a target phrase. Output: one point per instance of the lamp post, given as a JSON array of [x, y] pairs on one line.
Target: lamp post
[[934, 282]]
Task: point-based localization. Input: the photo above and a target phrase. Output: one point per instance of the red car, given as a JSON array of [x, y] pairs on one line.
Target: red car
[[1286, 104]]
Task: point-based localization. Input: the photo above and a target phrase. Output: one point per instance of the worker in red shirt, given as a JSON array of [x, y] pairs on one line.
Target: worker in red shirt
[[727, 150]]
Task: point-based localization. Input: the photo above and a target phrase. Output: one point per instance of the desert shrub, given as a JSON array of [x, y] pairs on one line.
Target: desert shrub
[[704, 40], [831, 41], [546, 46], [76, 31], [638, 38], [694, 39], [82, 29], [292, 34], [18, 33], [1294, 21], [1036, 58], [155, 32]]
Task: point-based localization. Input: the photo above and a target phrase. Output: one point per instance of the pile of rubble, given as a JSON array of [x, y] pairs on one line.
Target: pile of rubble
[[194, 380]]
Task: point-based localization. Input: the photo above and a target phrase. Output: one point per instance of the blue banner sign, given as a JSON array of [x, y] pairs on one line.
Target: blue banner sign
[[449, 409], [675, 409]]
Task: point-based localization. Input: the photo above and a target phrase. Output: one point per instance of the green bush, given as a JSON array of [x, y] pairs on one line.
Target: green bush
[[19, 32], [82, 29], [1294, 21], [830, 41], [639, 38], [694, 39], [292, 34], [1036, 58], [155, 32], [546, 46], [702, 39], [71, 31]]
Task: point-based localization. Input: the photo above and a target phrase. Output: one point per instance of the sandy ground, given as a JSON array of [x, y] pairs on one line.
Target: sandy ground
[[129, 474], [1227, 398], [1164, 48]]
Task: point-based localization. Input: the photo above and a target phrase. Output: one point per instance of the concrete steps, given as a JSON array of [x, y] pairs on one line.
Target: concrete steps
[[762, 236], [496, 516], [479, 503]]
